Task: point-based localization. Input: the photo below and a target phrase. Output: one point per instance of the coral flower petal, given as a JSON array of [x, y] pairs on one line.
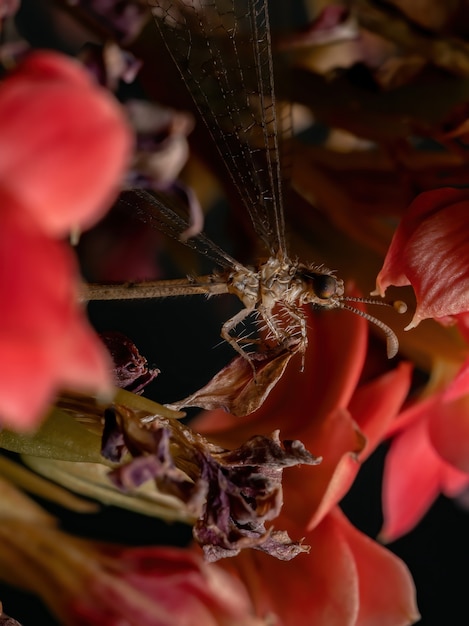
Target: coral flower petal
[[389, 604], [414, 475], [340, 443], [45, 340], [375, 405], [319, 588], [449, 432], [429, 251], [163, 587], [410, 480], [64, 143]]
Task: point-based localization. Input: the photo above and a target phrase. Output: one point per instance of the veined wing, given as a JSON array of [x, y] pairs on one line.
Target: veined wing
[[222, 49], [162, 212]]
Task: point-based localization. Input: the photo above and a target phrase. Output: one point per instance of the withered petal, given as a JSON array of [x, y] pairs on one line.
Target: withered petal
[[236, 388], [131, 369], [232, 493]]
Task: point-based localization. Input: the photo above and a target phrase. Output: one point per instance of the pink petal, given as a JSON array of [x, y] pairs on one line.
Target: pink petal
[[449, 432], [375, 405], [437, 263], [85, 364], [429, 251], [154, 570], [64, 143], [390, 604], [411, 480], [26, 384], [319, 588], [167, 589], [45, 340], [411, 414], [340, 443], [459, 386]]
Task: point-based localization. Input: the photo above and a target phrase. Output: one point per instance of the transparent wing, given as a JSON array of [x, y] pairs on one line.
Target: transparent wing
[[222, 49], [164, 213]]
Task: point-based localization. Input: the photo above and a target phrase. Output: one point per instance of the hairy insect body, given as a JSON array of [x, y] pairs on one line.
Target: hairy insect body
[[284, 283]]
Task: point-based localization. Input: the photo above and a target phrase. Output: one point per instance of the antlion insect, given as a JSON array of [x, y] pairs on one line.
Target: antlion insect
[[222, 49]]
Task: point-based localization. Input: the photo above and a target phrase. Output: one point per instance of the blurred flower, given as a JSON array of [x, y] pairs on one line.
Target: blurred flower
[[334, 23], [429, 251], [429, 452], [122, 247], [83, 582], [416, 470], [125, 18], [109, 64], [162, 146], [64, 146], [344, 421], [45, 341], [8, 8]]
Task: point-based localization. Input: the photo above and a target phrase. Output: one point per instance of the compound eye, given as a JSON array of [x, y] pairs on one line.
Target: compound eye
[[325, 286]]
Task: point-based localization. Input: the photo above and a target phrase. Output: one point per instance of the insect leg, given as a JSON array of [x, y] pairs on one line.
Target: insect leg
[[230, 325], [298, 322]]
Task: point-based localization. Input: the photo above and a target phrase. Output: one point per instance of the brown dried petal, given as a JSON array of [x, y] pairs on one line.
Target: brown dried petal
[[236, 388]]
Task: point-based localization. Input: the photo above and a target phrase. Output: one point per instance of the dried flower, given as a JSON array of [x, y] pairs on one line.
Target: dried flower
[[231, 494]]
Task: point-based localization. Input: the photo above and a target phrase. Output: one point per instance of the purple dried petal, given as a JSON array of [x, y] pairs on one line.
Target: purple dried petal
[[112, 442], [5, 620], [231, 492], [109, 64], [196, 214], [162, 148], [123, 18], [8, 8], [131, 369]]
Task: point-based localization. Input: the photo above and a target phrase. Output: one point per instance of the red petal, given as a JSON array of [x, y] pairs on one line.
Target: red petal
[[64, 143], [449, 432], [85, 364], [459, 386], [412, 480], [389, 604], [374, 406], [319, 588], [26, 384], [429, 251], [437, 262], [340, 442], [45, 339]]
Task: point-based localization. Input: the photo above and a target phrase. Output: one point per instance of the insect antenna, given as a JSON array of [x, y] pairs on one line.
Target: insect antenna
[[392, 343]]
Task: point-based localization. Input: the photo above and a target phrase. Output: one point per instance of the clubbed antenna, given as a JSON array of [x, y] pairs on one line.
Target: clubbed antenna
[[392, 343]]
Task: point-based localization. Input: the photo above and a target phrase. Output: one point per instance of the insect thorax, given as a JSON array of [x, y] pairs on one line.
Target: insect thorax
[[282, 281]]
